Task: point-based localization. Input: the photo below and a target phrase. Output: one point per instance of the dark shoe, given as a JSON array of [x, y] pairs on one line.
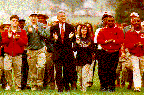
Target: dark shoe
[[90, 84], [39, 88], [73, 86], [60, 90], [103, 89], [67, 89], [129, 86], [112, 90], [52, 85], [137, 89], [28, 87]]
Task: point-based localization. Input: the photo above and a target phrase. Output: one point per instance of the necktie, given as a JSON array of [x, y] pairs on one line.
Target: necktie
[[62, 33]]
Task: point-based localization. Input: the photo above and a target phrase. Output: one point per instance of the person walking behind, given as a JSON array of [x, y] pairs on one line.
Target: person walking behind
[[14, 41], [36, 51]]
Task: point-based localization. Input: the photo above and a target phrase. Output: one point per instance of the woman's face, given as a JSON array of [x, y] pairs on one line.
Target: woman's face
[[84, 30]]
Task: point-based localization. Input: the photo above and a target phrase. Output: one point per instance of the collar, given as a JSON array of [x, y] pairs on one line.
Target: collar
[[18, 29], [61, 25]]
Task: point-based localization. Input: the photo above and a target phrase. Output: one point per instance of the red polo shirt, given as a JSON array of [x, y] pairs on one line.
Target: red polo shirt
[[107, 33], [132, 38]]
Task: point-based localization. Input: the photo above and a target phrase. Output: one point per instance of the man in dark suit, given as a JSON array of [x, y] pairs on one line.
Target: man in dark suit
[[62, 35]]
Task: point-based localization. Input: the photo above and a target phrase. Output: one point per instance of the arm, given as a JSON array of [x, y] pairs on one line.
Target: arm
[[43, 32], [5, 39]]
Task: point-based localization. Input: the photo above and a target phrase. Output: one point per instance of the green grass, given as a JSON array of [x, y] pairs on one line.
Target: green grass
[[94, 90]]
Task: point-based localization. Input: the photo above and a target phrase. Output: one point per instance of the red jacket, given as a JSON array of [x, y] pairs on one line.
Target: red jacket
[[132, 38], [110, 33], [12, 46]]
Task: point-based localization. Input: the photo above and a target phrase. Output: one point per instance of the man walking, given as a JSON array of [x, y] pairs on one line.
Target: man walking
[[62, 35], [14, 41]]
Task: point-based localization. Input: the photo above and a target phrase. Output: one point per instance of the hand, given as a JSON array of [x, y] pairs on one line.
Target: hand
[[30, 29], [109, 41], [55, 36], [36, 28], [78, 40], [140, 44], [71, 35], [123, 55], [9, 34], [16, 36]]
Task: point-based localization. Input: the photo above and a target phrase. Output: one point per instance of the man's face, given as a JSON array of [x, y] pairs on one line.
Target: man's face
[[41, 19], [33, 19], [104, 21], [14, 22], [110, 22], [61, 17], [6, 27]]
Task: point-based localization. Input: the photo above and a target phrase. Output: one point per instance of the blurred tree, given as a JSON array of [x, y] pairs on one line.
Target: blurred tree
[[71, 3], [125, 7]]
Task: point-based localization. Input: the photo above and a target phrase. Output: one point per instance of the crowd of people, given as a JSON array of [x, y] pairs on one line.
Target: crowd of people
[[36, 50]]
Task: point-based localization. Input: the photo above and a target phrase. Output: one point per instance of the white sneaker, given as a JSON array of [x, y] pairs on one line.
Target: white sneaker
[[18, 89], [8, 88]]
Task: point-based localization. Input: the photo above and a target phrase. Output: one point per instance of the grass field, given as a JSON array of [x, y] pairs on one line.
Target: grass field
[[94, 90]]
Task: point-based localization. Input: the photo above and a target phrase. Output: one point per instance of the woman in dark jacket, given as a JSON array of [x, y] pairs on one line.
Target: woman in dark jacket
[[84, 47]]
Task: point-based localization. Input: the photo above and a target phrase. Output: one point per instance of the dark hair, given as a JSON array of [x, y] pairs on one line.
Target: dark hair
[[42, 15], [33, 15], [88, 34], [90, 25], [14, 16], [110, 16], [104, 16], [21, 20]]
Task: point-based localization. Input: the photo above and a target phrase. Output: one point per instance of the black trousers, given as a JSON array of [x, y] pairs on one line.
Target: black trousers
[[107, 66], [24, 70], [69, 72]]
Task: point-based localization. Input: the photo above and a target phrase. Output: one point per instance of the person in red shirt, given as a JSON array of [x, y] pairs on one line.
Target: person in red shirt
[[14, 41], [110, 38], [134, 41]]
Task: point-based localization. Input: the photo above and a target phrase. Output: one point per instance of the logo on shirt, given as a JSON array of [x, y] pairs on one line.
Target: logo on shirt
[[142, 36]]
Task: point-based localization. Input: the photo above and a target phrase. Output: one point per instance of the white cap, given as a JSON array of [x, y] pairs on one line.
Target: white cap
[[6, 22], [107, 12], [54, 18], [134, 14]]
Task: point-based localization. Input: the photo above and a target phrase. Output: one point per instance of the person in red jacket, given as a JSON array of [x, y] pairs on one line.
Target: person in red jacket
[[14, 41], [134, 41], [110, 38]]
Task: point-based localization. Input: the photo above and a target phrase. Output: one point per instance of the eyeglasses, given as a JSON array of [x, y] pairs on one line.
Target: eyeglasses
[[110, 20]]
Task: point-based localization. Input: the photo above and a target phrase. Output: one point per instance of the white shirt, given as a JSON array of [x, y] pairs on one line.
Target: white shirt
[[14, 31], [60, 25], [95, 38]]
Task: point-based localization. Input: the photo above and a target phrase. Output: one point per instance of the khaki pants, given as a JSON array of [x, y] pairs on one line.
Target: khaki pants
[[36, 61], [16, 63], [1, 65], [137, 64], [85, 74]]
